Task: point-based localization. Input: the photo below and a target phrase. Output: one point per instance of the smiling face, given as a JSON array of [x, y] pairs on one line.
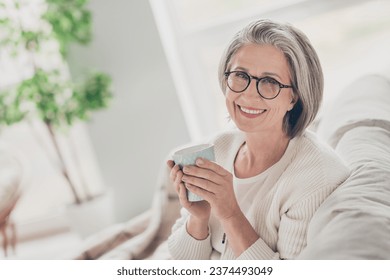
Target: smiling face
[[247, 109]]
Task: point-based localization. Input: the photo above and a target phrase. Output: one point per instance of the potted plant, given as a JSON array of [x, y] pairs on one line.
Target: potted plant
[[49, 92]]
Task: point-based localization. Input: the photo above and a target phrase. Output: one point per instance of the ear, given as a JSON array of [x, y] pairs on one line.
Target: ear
[[293, 101]]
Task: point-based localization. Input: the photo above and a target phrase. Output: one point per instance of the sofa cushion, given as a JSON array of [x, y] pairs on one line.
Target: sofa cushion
[[354, 221], [366, 102]]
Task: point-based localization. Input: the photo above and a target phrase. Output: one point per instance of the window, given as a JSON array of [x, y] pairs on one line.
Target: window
[[351, 38]]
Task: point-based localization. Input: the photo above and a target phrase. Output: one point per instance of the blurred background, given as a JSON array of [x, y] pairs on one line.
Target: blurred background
[[87, 150]]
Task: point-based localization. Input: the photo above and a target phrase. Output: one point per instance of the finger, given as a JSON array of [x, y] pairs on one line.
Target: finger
[[178, 179], [177, 188], [170, 163], [204, 163], [183, 195], [206, 195], [200, 182], [173, 173], [203, 173]]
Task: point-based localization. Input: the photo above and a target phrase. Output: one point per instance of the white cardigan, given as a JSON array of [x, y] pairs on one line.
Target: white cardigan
[[282, 208]]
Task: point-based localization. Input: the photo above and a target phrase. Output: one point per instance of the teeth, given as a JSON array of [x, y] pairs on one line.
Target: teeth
[[253, 112]]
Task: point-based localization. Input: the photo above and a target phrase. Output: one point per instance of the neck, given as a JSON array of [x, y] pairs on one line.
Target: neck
[[259, 152], [268, 143]]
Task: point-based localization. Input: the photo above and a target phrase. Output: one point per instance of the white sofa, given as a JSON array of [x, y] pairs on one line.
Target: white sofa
[[353, 223]]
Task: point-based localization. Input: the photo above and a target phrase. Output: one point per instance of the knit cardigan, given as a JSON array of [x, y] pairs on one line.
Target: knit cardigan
[[282, 208]]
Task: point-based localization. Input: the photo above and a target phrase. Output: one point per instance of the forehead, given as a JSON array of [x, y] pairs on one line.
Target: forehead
[[258, 59]]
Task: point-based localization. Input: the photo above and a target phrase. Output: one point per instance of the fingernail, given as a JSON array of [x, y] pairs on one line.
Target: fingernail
[[184, 178], [199, 161]]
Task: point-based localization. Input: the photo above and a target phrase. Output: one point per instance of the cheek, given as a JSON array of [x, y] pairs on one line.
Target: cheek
[[281, 106], [277, 110], [230, 102], [230, 98]]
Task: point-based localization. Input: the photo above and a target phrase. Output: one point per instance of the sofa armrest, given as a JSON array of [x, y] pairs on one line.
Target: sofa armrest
[[109, 238], [354, 221]]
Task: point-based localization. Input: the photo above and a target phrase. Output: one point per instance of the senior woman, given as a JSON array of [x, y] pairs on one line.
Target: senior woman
[[270, 174]]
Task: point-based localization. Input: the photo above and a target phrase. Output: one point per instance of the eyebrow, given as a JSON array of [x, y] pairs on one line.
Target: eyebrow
[[263, 74]]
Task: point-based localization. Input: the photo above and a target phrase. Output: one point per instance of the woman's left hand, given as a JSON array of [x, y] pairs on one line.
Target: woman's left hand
[[215, 184]]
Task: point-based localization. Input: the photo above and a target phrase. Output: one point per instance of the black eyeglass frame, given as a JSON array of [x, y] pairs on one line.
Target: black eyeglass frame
[[257, 83]]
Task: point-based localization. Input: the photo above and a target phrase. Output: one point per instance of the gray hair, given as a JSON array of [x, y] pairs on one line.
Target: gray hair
[[304, 67]]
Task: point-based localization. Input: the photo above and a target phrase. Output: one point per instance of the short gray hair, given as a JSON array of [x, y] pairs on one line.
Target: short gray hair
[[304, 67]]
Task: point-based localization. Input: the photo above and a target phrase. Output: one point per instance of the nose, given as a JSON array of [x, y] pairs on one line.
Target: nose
[[251, 90]]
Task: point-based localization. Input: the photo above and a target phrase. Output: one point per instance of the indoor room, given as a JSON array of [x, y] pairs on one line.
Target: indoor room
[[96, 95]]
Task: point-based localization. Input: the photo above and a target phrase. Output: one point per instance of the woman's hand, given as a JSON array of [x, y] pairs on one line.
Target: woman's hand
[[215, 184], [197, 225]]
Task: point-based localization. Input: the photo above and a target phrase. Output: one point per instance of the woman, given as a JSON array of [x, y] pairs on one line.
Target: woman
[[271, 174]]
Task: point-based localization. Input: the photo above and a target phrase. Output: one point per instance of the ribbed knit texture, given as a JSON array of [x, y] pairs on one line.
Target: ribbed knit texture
[[281, 209]]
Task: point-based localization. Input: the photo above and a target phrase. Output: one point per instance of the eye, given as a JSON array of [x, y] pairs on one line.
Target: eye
[[270, 81], [241, 75]]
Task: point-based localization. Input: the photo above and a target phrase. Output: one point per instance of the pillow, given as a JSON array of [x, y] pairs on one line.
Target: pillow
[[354, 221], [366, 102]]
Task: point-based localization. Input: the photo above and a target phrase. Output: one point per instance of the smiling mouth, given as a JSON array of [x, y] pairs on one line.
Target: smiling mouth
[[251, 111]]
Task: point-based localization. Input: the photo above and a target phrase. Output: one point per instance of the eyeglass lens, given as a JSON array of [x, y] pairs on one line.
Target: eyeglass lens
[[239, 81]]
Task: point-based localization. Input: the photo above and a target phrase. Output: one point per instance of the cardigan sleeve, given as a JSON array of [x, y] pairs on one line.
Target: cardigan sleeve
[[259, 251], [291, 235], [295, 222], [182, 246]]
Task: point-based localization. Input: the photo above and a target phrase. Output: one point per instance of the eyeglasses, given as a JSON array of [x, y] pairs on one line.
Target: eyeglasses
[[267, 87]]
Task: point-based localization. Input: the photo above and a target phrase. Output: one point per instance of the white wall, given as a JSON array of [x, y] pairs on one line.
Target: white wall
[[144, 122]]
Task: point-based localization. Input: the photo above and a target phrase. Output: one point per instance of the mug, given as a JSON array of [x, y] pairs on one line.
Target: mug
[[188, 156]]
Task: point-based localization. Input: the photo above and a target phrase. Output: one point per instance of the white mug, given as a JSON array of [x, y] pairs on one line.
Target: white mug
[[188, 156]]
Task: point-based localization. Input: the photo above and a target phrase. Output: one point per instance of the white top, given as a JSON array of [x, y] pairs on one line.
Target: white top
[[278, 203]]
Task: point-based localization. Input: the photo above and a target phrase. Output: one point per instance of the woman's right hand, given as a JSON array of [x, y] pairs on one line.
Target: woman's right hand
[[197, 225]]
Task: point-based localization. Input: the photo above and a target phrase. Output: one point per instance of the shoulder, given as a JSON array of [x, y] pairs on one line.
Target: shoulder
[[226, 144], [312, 154], [314, 167], [227, 138]]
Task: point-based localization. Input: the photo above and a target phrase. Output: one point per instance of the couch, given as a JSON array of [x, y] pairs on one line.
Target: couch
[[352, 223]]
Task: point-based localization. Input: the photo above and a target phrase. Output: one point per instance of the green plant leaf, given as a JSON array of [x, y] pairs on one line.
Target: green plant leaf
[[71, 22]]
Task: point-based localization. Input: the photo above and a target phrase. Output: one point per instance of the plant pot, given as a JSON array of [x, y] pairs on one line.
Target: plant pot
[[91, 216]]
